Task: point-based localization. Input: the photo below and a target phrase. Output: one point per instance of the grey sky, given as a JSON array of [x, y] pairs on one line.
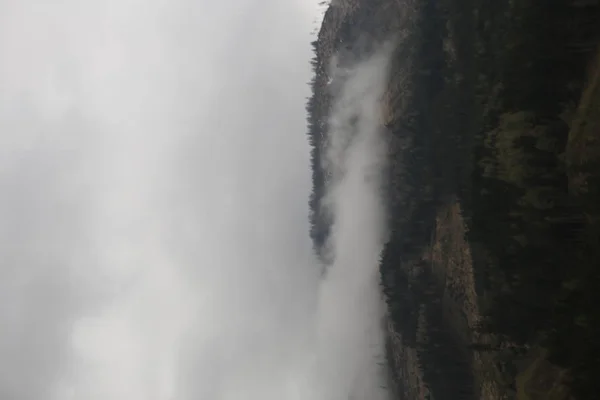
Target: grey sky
[[154, 175]]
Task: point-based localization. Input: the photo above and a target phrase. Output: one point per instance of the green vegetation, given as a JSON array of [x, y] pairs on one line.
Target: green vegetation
[[492, 114]]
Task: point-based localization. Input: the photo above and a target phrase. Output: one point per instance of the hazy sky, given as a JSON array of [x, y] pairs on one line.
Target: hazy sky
[[154, 175]]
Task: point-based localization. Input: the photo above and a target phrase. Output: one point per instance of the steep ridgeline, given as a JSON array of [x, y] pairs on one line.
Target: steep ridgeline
[[351, 30], [423, 354]]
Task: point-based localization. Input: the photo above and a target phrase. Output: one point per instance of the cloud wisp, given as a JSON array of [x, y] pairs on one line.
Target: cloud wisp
[[350, 310]]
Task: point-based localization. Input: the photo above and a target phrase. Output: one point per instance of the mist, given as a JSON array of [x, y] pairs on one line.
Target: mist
[[350, 310], [154, 174]]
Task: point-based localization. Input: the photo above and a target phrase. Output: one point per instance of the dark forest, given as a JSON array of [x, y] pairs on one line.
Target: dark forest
[[492, 114]]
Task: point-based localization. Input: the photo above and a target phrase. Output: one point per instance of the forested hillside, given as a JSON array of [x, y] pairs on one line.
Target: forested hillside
[[492, 115]]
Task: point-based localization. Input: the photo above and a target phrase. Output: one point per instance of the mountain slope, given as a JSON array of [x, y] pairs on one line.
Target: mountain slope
[[488, 177]]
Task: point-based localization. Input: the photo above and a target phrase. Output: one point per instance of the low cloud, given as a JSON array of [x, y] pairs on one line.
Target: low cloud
[[350, 310], [154, 174]]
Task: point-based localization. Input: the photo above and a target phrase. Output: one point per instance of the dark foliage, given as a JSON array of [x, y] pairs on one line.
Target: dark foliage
[[476, 99]]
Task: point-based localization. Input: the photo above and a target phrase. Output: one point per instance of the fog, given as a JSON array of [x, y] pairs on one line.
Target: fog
[[350, 311], [154, 178]]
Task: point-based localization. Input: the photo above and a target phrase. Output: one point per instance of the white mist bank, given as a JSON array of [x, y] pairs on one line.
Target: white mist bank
[[350, 350], [154, 207]]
